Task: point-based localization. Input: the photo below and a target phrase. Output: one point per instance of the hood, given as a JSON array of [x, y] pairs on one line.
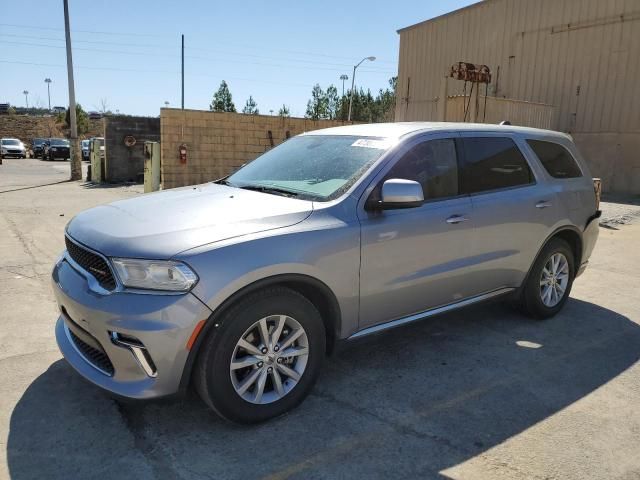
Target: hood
[[163, 224]]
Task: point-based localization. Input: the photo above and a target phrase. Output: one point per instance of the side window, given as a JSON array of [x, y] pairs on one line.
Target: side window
[[491, 163], [433, 164], [556, 159]]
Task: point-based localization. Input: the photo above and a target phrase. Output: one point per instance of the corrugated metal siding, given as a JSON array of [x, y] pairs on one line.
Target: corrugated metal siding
[[582, 56], [525, 114]]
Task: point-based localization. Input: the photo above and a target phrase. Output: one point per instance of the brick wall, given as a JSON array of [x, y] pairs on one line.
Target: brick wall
[[123, 163], [218, 143]]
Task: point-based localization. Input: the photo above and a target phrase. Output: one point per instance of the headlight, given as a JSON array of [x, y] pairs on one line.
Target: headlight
[[154, 274]]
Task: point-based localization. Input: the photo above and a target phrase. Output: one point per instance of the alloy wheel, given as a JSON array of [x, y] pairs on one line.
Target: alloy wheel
[[554, 280], [269, 359]]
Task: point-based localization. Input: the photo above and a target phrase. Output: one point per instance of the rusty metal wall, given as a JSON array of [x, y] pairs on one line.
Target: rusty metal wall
[[582, 56]]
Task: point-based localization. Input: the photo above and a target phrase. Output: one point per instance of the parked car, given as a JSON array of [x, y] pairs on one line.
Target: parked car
[[85, 150], [58, 109], [55, 148], [241, 286], [37, 145], [94, 115], [12, 147]]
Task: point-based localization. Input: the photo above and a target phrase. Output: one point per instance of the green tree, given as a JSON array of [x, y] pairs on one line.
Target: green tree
[[82, 119], [284, 111], [251, 107], [333, 102], [222, 99], [317, 106]]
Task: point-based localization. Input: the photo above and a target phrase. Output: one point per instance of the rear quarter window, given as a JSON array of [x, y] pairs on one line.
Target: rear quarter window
[[556, 159]]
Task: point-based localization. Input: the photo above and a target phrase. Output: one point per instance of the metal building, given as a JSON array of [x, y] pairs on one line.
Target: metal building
[[578, 59]]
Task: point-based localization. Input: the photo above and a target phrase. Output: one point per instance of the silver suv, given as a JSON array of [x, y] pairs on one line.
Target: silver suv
[[240, 287]]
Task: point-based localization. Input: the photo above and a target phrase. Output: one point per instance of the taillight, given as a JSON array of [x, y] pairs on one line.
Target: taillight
[[597, 188]]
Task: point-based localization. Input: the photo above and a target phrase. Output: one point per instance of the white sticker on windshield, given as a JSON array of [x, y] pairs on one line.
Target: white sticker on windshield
[[371, 143]]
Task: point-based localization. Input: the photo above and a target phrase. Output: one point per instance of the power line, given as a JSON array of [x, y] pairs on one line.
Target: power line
[[295, 52], [170, 72], [241, 62]]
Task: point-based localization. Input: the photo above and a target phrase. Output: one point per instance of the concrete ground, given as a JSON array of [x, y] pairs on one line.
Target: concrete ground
[[479, 394]]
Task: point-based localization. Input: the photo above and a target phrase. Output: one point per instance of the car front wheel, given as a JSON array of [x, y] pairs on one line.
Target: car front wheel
[[550, 280], [264, 357]]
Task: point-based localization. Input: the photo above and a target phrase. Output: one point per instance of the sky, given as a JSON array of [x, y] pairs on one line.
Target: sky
[[127, 53]]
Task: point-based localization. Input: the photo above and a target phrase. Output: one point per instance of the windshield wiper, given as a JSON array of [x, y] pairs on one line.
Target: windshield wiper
[[267, 189]]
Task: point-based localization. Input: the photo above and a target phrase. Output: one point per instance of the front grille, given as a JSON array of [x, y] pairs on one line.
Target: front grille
[[13, 151], [97, 357], [92, 263]]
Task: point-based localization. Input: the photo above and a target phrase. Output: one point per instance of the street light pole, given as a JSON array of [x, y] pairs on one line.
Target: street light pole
[[353, 82], [76, 166], [48, 82], [26, 97]]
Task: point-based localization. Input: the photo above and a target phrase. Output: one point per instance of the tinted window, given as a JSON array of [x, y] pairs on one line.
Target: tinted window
[[492, 163], [556, 159], [433, 164]]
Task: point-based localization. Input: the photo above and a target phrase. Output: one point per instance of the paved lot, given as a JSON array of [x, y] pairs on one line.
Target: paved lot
[[483, 393]]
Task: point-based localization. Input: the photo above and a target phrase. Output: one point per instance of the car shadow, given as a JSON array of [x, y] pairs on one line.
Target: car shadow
[[409, 403]]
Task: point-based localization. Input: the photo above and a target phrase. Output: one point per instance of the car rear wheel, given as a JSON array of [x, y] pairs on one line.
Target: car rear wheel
[[550, 280], [264, 358]]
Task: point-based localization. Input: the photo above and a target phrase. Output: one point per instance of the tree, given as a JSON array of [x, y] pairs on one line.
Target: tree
[[317, 106], [82, 119], [332, 102], [104, 105], [222, 99], [284, 111], [251, 107]]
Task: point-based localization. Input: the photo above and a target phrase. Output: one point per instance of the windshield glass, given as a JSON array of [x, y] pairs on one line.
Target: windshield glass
[[315, 167], [10, 141], [85, 143], [38, 141], [59, 142]]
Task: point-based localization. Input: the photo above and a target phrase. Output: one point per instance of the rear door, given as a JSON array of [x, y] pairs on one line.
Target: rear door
[[514, 209]]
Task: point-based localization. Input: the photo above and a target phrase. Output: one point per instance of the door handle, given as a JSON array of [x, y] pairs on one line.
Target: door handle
[[543, 204], [456, 219]]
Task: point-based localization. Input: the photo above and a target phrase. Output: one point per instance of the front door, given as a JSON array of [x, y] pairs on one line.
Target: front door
[[415, 259]]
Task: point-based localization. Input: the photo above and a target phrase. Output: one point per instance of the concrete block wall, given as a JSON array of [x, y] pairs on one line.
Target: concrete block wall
[[219, 143], [123, 163]]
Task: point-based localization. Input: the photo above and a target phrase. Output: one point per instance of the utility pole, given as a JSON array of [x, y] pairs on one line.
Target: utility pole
[[48, 82], [26, 97], [183, 72], [76, 166]]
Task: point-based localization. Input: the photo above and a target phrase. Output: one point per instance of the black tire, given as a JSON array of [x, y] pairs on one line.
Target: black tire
[[212, 378], [531, 303]]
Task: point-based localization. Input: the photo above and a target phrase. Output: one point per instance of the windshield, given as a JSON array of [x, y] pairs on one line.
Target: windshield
[[38, 141], [85, 143], [317, 167], [59, 142], [11, 141]]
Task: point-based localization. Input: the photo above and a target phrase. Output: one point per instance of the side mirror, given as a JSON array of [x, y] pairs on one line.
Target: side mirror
[[400, 193]]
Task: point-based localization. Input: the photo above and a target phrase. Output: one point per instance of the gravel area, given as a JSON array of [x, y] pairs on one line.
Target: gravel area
[[619, 211]]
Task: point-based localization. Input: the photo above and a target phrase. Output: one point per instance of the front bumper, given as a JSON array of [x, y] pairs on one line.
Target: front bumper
[[59, 154], [85, 330], [16, 153]]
